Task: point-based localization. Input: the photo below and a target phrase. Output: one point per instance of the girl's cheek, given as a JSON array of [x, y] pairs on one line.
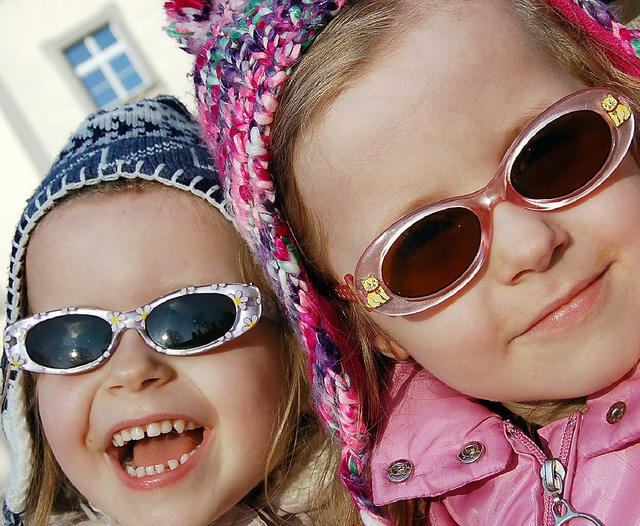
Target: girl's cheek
[[63, 405]]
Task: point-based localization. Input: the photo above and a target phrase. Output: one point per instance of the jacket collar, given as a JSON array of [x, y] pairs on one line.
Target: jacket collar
[[428, 425], [612, 417], [420, 429]]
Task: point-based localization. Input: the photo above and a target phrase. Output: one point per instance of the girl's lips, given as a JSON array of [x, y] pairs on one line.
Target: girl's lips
[[569, 310]]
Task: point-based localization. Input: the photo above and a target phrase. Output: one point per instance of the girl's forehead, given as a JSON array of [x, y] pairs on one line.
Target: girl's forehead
[[113, 216], [437, 86], [448, 74], [142, 244], [430, 120], [147, 202]]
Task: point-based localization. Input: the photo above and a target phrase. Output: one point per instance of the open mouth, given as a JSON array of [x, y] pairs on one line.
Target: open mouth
[[156, 447]]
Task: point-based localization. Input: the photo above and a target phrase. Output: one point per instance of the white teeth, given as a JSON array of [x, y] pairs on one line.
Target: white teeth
[[154, 430], [142, 471], [137, 433]]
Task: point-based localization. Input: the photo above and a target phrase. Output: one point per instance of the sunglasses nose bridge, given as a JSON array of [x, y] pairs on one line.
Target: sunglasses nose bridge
[[493, 193], [130, 321]]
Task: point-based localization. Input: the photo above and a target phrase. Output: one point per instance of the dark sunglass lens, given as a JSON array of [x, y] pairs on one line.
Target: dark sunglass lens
[[562, 157], [191, 321], [433, 253], [68, 341]]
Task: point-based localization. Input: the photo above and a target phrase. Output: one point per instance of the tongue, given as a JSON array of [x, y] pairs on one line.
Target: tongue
[[161, 449]]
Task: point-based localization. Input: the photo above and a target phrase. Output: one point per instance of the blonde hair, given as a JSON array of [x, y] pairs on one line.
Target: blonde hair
[[296, 438], [343, 52]]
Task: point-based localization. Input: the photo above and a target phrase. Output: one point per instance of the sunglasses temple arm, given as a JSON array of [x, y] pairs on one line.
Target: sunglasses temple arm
[[270, 308], [347, 291]]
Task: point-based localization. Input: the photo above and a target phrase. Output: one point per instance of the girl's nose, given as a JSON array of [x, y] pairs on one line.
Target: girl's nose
[[524, 242], [134, 366]]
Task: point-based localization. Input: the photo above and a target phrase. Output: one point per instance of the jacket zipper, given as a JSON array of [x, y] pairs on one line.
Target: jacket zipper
[[552, 475], [556, 510], [532, 447]]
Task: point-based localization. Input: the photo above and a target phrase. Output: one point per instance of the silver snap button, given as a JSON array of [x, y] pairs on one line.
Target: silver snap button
[[471, 452], [400, 470], [616, 412]]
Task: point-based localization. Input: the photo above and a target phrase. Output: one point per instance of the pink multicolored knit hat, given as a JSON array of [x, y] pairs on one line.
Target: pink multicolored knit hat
[[244, 51]]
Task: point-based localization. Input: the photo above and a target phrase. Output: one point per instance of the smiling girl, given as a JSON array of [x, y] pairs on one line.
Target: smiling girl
[[148, 381], [462, 182]]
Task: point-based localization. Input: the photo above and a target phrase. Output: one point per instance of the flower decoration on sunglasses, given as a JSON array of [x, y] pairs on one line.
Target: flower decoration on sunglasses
[[142, 313], [117, 320], [249, 323], [432, 253], [190, 321], [240, 300]]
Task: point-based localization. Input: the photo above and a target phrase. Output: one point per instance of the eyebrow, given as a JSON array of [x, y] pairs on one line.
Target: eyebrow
[[413, 205], [509, 137], [511, 134]]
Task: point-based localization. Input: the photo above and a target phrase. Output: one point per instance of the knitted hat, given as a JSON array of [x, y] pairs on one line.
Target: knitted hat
[[153, 140], [244, 51]]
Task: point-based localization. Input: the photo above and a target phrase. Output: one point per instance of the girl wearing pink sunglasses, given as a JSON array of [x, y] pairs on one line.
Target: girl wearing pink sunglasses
[[460, 178]]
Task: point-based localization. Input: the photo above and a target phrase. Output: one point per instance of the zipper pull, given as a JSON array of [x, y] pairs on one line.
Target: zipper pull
[[552, 475]]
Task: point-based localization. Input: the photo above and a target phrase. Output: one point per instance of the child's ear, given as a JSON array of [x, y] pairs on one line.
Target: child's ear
[[385, 345]]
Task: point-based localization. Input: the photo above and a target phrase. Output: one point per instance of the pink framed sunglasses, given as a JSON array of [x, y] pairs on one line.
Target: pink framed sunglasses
[[432, 253]]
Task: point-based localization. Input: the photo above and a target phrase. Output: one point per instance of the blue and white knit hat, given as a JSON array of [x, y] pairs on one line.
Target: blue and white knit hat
[[153, 140]]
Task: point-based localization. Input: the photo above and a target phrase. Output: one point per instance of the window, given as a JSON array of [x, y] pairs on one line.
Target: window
[[106, 68]]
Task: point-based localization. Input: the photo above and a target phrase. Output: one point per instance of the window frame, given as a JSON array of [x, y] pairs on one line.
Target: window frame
[[125, 42]]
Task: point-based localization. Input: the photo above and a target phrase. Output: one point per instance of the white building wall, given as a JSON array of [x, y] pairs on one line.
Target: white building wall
[[41, 103]]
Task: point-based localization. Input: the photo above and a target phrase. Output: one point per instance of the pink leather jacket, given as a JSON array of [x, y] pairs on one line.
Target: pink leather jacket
[[481, 470]]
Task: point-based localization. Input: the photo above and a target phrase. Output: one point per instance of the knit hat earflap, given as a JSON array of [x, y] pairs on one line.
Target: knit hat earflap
[[152, 140]]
